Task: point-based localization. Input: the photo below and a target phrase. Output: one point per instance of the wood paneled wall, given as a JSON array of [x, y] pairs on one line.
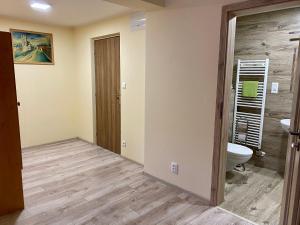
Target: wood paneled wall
[[263, 36]]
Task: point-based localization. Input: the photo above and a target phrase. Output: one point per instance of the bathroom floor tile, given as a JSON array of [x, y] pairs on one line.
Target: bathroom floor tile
[[254, 194]]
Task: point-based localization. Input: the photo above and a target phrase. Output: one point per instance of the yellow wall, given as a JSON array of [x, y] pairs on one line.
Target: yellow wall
[[57, 101], [181, 79], [46, 92], [132, 72]]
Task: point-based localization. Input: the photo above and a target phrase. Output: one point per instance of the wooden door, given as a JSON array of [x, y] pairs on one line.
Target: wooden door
[[108, 114], [290, 213], [11, 192]]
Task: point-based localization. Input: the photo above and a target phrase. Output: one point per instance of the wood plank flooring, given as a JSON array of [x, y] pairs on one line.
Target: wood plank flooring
[[254, 194], [74, 182]]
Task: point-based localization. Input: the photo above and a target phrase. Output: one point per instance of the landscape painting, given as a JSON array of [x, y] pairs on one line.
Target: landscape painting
[[32, 47]]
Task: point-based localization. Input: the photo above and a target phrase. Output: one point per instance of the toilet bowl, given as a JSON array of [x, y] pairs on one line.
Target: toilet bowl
[[237, 154]]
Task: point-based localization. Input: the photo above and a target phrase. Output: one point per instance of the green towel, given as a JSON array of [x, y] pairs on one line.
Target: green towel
[[250, 89]]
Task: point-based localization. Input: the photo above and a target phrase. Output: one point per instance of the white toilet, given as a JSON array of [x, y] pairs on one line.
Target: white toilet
[[237, 154]]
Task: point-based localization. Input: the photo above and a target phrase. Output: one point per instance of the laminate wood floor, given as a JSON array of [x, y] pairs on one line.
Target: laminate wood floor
[[254, 194], [74, 182]]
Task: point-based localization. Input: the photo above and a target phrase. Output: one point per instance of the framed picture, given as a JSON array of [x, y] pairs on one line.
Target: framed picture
[[32, 47]]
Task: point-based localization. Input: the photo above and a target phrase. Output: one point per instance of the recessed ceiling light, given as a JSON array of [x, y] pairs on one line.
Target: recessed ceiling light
[[40, 6]]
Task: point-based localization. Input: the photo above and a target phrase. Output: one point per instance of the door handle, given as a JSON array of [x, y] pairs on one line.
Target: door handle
[[295, 145], [294, 133]]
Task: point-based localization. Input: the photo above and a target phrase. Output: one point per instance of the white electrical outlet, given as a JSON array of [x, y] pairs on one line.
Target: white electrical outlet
[[274, 87], [174, 168], [124, 144], [124, 85]]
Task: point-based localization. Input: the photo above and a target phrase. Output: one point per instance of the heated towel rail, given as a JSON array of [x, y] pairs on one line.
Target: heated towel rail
[[250, 110]]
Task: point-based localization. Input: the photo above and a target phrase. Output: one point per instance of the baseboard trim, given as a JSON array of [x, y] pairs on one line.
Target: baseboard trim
[[92, 143], [122, 156], [203, 200], [51, 143]]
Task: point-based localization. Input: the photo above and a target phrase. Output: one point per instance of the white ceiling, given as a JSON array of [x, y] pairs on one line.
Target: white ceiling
[[64, 12]]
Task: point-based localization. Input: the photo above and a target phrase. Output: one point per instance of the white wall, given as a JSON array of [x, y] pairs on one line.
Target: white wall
[[46, 92], [132, 72], [182, 46]]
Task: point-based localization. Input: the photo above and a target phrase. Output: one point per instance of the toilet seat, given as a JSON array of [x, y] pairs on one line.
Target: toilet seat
[[239, 150]]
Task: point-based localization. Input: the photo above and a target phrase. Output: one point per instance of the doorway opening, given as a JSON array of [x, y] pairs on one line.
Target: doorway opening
[[255, 171], [107, 92]]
